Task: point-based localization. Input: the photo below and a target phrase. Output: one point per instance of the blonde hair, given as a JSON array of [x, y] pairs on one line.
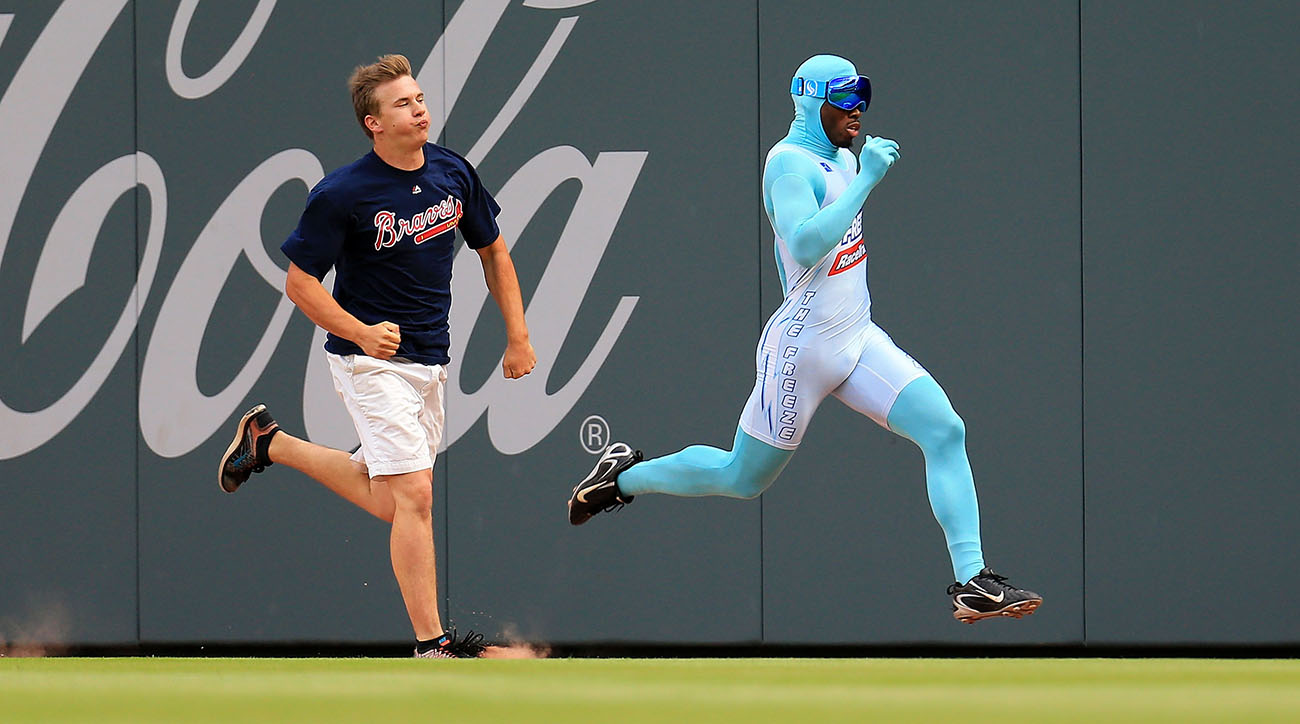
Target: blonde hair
[[366, 78]]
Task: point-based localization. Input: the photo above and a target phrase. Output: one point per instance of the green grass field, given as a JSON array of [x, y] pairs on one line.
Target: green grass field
[[738, 691]]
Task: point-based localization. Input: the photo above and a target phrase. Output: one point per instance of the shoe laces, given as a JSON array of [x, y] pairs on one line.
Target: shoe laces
[[243, 461], [990, 578], [996, 580], [469, 647]]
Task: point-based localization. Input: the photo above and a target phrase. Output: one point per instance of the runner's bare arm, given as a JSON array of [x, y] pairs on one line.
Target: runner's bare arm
[[499, 273], [376, 340]]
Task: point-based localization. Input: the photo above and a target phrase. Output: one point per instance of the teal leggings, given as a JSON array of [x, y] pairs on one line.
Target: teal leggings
[[922, 414]]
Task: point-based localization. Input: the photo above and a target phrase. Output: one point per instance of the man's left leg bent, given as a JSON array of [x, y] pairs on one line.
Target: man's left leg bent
[[898, 393], [923, 414], [894, 390], [396, 407]]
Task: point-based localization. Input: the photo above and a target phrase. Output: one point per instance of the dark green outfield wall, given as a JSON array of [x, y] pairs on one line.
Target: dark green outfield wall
[[1090, 241]]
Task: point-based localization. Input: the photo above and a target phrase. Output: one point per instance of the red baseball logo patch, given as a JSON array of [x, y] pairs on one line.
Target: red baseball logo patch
[[854, 251], [849, 258]]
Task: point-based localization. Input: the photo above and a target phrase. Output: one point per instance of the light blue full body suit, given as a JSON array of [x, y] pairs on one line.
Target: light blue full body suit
[[822, 341]]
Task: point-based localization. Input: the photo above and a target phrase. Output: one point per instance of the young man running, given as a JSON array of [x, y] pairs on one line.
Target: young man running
[[822, 341], [386, 223]]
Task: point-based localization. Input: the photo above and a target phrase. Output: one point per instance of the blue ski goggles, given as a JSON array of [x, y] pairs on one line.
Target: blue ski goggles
[[846, 92]]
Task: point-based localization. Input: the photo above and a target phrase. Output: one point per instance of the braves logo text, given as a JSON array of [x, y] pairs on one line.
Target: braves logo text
[[423, 226]]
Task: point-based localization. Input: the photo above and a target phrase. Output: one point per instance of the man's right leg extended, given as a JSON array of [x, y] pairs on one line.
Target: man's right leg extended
[[745, 471], [337, 471], [259, 442]]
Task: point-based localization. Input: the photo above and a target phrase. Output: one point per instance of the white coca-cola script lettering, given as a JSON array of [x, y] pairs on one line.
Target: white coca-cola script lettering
[[175, 416]]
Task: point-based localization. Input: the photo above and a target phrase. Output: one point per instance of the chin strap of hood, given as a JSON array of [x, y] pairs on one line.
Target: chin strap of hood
[[806, 130]]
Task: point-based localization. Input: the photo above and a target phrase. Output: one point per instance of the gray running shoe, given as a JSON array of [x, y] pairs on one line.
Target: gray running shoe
[[247, 453], [451, 647]]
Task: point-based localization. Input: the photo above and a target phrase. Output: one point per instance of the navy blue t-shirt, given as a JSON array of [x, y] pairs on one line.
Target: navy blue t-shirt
[[391, 236]]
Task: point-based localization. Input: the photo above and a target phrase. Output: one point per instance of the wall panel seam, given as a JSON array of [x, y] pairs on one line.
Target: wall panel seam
[[1083, 366], [139, 302]]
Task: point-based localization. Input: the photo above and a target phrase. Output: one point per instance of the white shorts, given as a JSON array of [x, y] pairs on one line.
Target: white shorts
[[396, 407], [866, 374]]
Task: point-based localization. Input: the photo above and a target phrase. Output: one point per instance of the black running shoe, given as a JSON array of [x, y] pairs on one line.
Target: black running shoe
[[599, 490], [247, 454], [450, 647], [988, 595]]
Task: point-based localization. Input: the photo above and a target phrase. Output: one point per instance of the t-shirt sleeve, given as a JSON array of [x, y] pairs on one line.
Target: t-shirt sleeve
[[479, 223], [315, 245]]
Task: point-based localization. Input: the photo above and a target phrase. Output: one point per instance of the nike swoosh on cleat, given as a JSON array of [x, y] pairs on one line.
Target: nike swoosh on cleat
[[582, 494], [996, 599]]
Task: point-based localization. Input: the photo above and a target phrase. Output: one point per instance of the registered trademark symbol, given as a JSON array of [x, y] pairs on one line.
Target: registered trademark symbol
[[594, 434]]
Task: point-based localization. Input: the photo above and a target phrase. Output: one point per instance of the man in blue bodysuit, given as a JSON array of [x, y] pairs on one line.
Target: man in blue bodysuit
[[821, 341]]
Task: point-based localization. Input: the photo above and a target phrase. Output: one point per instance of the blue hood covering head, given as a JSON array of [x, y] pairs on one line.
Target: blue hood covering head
[[807, 130]]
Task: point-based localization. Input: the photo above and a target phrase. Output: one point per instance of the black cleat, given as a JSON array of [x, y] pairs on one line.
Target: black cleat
[[247, 454], [988, 595], [599, 490], [449, 647]]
